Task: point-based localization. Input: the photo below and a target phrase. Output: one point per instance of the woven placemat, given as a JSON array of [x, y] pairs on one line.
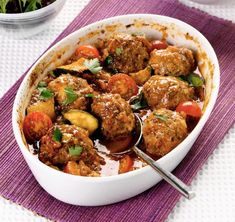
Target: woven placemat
[[17, 182]]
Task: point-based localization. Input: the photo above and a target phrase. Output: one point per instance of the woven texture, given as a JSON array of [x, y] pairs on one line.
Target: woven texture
[[165, 197]]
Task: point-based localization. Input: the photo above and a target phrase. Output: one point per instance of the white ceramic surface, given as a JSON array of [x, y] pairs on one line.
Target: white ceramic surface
[[23, 25], [90, 191]]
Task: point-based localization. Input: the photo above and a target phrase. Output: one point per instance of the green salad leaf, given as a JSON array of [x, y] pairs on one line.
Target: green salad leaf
[[3, 5]]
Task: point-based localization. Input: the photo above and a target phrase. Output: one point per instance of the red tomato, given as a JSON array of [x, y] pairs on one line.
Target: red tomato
[[72, 168], [190, 108], [87, 51], [126, 164], [157, 44], [36, 125], [123, 85], [119, 145]]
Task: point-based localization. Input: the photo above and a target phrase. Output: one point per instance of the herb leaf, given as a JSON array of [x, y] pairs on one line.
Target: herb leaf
[[42, 84], [195, 80], [71, 95], [118, 51], [3, 5], [57, 135], [108, 60], [45, 93], [89, 95], [75, 151], [93, 65], [33, 5], [161, 117]]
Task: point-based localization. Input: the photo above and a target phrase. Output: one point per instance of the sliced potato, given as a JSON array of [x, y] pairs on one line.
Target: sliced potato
[[82, 119], [46, 107], [141, 76]]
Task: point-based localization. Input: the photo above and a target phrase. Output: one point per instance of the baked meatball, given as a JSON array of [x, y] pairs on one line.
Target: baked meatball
[[116, 115], [58, 152], [172, 61], [127, 53], [76, 87], [166, 92], [163, 130]]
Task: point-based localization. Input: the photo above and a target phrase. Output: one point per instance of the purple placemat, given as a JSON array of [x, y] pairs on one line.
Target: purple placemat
[[18, 184]]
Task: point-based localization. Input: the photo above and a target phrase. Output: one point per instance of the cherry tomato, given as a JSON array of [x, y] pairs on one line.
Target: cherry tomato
[[157, 44], [190, 108], [36, 125], [87, 51], [72, 168], [123, 85], [126, 164], [119, 145]]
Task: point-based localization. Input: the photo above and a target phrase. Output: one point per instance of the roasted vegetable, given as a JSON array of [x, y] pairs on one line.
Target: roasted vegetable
[[142, 76], [82, 119], [46, 107], [73, 68]]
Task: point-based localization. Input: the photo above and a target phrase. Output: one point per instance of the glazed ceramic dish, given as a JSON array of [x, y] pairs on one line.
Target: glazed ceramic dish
[[95, 191]]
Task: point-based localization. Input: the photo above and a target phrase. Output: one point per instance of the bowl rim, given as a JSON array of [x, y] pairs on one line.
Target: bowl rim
[[31, 14], [214, 93]]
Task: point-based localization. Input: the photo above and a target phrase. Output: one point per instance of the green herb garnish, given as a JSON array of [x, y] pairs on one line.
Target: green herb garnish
[[75, 151], [93, 65], [161, 117], [57, 135], [46, 94], [89, 95], [70, 94], [118, 51], [195, 80]]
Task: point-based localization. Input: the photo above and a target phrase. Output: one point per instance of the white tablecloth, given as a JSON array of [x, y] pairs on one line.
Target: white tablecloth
[[214, 183]]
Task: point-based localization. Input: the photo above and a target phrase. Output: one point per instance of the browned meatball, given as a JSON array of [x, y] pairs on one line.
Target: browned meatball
[[76, 88], [163, 130], [117, 117], [172, 61], [166, 92], [54, 152], [128, 53]]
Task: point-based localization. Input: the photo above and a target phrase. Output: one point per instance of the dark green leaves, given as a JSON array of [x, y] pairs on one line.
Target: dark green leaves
[[93, 65], [161, 117], [57, 135], [45, 93], [33, 5], [138, 102], [193, 79], [70, 94], [108, 60], [75, 151]]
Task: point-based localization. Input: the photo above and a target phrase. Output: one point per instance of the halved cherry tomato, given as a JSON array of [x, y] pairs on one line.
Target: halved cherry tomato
[[72, 168], [119, 145], [36, 125], [157, 44], [126, 164], [123, 85], [87, 51], [190, 108]]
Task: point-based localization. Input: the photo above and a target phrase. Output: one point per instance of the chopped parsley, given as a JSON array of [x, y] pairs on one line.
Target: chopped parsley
[[75, 150], [108, 60], [89, 95], [93, 65], [45, 93], [57, 135], [118, 51], [70, 94], [161, 117], [138, 102]]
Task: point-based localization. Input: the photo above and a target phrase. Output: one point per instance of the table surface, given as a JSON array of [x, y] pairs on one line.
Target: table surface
[[214, 183]]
